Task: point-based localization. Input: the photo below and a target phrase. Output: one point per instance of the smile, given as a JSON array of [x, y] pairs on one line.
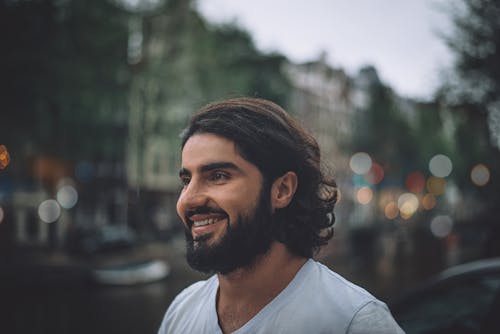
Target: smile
[[205, 222]]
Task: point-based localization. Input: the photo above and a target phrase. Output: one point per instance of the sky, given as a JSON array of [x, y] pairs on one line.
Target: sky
[[401, 38]]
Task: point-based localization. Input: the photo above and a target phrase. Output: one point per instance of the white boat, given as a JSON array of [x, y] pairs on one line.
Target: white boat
[[132, 273]]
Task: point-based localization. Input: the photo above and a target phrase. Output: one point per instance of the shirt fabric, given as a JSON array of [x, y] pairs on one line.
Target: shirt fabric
[[317, 300]]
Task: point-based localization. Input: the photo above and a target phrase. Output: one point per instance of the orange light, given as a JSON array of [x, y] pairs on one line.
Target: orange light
[[391, 210], [50, 169], [407, 210], [429, 201], [436, 185], [407, 204], [364, 195], [4, 157]]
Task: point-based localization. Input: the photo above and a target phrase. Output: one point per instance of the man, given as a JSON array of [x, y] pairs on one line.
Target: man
[[256, 206]]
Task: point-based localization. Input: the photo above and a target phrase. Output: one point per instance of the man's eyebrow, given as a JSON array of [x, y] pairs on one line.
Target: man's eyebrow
[[211, 166], [218, 165]]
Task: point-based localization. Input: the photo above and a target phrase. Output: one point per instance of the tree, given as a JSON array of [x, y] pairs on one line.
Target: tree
[[474, 84], [472, 93], [64, 77]]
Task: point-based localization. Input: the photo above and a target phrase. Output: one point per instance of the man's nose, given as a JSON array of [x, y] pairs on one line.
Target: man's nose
[[193, 196]]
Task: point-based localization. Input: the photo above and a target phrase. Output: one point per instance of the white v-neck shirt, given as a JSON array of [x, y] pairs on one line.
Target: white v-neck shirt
[[317, 300]]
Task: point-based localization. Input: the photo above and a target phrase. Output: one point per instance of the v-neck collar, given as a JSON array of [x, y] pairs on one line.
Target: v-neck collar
[[277, 303]]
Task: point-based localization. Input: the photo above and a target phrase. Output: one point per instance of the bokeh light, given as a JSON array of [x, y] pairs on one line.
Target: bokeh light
[[415, 182], [49, 211], [440, 165], [364, 195], [441, 226], [391, 210], [428, 201], [67, 196], [436, 185], [359, 181], [84, 171], [2, 214], [407, 204], [386, 195], [375, 175], [360, 163], [480, 175], [4, 157]]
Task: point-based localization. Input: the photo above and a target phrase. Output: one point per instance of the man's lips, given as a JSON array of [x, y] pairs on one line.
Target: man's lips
[[204, 222], [204, 225], [200, 220]]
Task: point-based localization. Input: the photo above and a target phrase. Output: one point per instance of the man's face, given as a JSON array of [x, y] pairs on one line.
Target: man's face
[[223, 204]]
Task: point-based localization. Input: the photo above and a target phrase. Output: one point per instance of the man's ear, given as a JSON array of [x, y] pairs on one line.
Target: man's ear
[[283, 189]]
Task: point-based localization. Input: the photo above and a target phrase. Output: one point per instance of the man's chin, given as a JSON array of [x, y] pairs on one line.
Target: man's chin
[[216, 257], [199, 257], [202, 239]]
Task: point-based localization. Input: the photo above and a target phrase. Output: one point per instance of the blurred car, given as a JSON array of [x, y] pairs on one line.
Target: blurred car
[[462, 299]]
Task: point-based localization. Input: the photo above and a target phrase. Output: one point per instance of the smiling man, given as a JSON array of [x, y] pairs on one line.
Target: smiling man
[[256, 206]]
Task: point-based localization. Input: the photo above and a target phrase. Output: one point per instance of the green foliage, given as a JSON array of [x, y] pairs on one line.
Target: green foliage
[[65, 76], [476, 46], [68, 83], [229, 65], [472, 93]]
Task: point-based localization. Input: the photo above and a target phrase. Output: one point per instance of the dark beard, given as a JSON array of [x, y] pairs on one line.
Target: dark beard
[[241, 245]]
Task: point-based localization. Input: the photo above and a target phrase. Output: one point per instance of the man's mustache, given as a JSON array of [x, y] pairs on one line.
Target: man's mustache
[[204, 210]]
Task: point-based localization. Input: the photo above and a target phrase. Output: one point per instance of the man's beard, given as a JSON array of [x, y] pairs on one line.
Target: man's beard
[[244, 241]]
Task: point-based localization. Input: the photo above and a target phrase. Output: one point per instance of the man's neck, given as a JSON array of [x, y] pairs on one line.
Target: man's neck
[[244, 292]]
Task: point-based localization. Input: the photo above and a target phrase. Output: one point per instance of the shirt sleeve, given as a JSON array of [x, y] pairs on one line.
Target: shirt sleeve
[[374, 318]]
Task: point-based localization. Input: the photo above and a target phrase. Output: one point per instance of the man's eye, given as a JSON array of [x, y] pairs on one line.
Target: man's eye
[[219, 176]]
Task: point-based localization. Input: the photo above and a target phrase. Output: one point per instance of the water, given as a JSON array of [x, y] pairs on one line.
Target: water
[[87, 309], [60, 300]]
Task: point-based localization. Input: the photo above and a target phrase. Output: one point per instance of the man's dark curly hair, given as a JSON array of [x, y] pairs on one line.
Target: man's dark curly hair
[[268, 137]]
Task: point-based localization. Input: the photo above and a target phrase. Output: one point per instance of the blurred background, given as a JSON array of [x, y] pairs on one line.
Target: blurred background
[[404, 100]]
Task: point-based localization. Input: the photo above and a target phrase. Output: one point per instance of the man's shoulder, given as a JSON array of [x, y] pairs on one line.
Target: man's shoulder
[[319, 298], [363, 311], [332, 287]]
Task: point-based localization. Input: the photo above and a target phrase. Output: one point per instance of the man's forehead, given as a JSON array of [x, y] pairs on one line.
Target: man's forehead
[[209, 148], [209, 141]]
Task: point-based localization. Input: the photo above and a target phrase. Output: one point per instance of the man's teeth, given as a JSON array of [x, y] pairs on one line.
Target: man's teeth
[[205, 222]]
